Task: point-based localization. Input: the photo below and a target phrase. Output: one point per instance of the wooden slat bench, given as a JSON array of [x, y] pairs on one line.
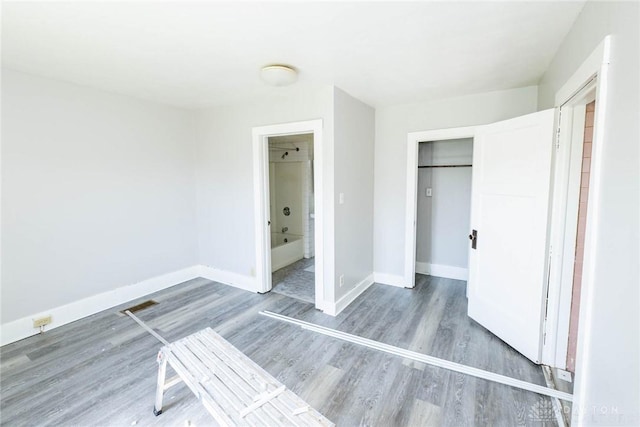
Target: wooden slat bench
[[233, 388]]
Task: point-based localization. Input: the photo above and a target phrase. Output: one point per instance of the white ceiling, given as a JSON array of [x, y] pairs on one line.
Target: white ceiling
[[196, 54]]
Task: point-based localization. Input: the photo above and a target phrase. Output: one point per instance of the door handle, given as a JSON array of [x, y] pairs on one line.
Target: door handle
[[268, 223], [474, 238]]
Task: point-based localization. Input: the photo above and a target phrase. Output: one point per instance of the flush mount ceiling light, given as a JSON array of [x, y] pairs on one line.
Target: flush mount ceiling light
[[278, 75]]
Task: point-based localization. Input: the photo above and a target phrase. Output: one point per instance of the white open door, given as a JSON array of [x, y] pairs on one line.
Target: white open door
[[509, 215]]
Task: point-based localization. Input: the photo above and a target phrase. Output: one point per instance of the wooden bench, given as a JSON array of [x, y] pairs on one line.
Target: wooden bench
[[233, 388]]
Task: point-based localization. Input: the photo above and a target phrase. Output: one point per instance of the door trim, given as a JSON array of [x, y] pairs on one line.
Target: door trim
[[559, 295], [260, 136], [564, 223], [413, 141]]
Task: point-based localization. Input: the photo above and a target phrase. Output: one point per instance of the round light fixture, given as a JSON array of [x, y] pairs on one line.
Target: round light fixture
[[279, 75]]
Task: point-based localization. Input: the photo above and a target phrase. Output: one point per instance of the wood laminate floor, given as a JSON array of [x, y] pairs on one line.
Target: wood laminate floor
[[101, 370]]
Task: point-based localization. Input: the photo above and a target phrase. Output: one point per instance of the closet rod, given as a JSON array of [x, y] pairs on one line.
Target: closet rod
[[285, 149], [445, 166]]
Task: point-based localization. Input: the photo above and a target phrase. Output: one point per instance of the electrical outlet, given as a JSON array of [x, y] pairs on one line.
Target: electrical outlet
[[41, 321], [341, 280], [341, 198]]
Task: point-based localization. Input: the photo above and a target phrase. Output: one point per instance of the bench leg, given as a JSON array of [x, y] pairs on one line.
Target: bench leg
[[162, 372]]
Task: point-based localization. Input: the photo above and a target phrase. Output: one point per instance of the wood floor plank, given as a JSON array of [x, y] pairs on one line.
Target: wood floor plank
[[425, 414], [397, 407], [320, 388]]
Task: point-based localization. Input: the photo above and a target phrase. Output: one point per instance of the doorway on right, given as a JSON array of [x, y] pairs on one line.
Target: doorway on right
[[583, 200]]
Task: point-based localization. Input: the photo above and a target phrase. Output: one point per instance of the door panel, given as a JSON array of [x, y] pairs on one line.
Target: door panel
[[510, 206]]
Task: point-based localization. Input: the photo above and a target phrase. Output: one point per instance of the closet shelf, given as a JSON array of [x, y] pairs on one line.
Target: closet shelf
[[445, 166]]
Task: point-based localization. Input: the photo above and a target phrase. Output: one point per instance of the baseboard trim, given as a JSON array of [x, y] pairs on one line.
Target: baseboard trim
[[439, 270], [61, 315], [334, 308], [423, 268], [236, 280], [64, 314], [389, 279]]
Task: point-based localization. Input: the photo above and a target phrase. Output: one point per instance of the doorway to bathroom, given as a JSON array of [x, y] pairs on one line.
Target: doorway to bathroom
[[292, 215], [289, 216]]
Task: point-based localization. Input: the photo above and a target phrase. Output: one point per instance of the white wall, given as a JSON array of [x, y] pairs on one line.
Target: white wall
[[392, 125], [354, 147], [608, 370], [98, 192], [443, 218], [226, 238]]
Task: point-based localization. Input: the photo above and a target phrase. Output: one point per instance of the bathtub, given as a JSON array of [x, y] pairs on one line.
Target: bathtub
[[286, 252]]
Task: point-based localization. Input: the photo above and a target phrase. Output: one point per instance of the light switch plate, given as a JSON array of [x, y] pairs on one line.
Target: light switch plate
[[428, 192]]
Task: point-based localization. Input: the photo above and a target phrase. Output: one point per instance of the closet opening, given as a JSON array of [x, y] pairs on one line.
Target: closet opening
[[443, 208], [433, 157]]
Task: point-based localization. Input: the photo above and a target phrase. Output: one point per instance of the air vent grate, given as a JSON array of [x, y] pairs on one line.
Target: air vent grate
[[140, 306]]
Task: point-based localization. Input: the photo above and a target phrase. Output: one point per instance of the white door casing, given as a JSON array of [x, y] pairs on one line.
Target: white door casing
[[510, 211], [260, 136], [410, 231]]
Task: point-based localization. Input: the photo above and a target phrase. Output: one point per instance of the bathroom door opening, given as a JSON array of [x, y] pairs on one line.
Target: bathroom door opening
[[288, 194], [292, 215]]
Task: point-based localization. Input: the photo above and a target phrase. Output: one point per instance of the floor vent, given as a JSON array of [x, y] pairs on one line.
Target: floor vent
[[139, 307]]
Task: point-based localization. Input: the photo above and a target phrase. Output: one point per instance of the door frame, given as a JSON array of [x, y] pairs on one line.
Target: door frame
[[591, 75], [413, 143], [564, 222], [262, 212]]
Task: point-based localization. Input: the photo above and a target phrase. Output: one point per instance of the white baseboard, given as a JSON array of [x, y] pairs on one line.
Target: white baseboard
[[333, 309], [389, 279], [236, 280], [423, 268], [61, 315], [439, 270], [23, 328]]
